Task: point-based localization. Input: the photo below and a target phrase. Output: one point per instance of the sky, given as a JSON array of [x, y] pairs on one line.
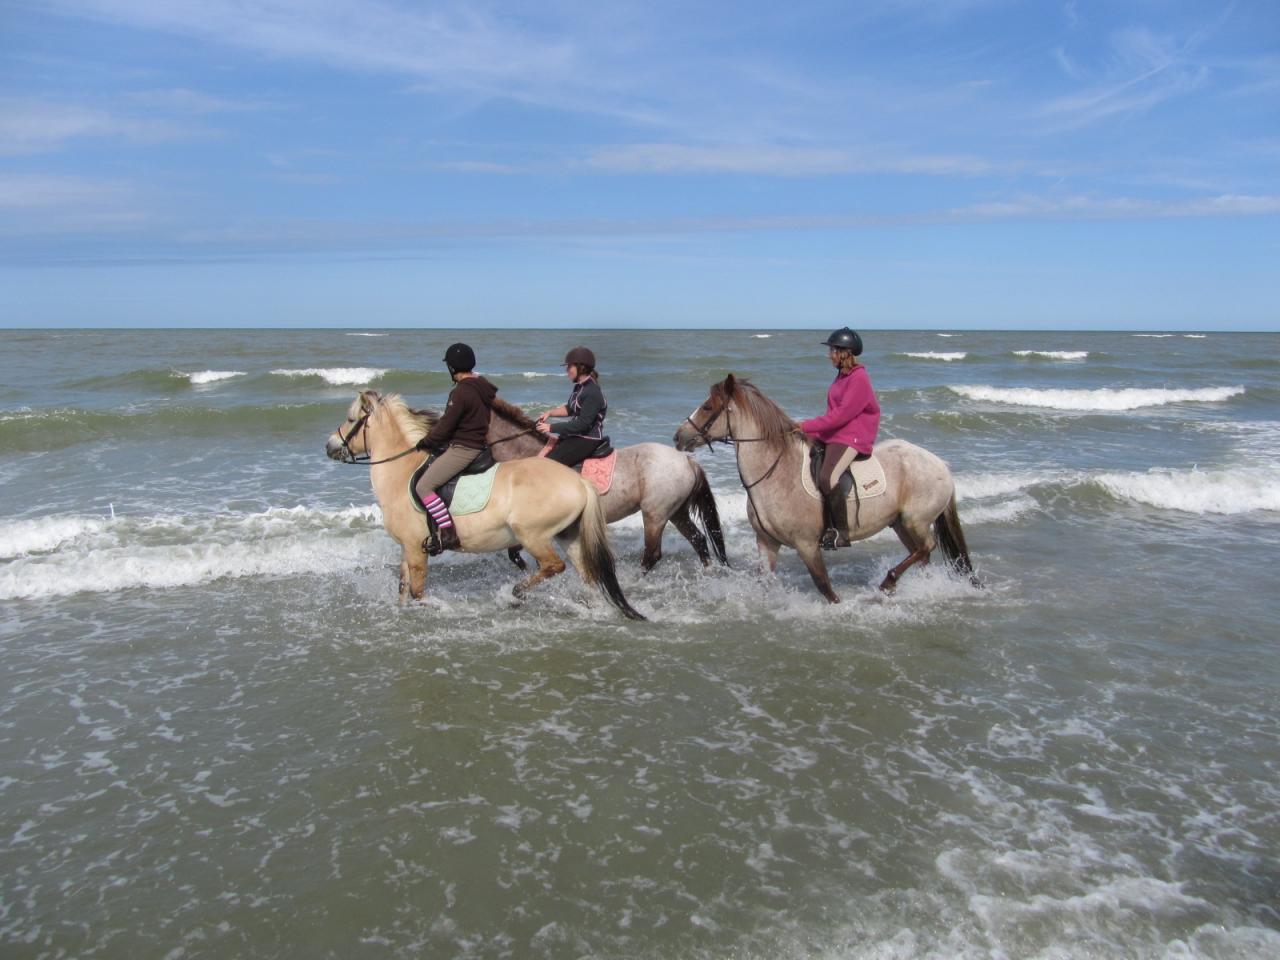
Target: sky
[[887, 164]]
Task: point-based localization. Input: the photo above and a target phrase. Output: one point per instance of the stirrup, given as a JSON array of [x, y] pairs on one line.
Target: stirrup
[[432, 546], [828, 538]]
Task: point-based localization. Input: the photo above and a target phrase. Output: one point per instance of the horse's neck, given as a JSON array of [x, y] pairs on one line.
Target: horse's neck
[[389, 479], [757, 457], [510, 441]]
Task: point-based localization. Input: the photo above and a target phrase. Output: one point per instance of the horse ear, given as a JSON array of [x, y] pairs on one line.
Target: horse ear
[[729, 384], [368, 399]]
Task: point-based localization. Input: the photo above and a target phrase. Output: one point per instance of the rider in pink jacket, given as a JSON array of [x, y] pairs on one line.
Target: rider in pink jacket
[[848, 428]]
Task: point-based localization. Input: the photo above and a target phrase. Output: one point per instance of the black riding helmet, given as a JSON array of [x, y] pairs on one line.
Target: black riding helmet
[[845, 339], [580, 356], [460, 358]]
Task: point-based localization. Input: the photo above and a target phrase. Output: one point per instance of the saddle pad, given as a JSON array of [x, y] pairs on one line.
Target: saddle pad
[[599, 470], [868, 479], [472, 493]]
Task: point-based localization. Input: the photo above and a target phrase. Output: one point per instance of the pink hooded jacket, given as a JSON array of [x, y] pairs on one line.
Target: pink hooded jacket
[[853, 413]]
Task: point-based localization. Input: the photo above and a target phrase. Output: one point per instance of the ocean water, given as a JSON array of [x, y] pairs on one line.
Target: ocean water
[[221, 736]]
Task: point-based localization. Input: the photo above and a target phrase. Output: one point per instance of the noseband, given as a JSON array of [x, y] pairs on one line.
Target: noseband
[[362, 426]]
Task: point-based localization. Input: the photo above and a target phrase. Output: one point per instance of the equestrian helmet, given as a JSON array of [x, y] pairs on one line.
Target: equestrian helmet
[[845, 339], [580, 356], [460, 358]]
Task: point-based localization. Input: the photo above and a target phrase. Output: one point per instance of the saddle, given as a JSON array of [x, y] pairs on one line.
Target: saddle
[[817, 454], [479, 465]]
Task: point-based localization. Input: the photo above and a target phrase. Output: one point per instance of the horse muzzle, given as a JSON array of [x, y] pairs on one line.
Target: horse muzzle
[[335, 449], [687, 439]]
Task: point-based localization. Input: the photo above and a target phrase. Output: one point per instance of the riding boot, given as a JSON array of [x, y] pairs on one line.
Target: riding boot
[[431, 545], [837, 520], [449, 538], [829, 533]]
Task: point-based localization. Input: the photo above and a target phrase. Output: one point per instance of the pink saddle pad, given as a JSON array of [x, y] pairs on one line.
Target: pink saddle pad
[[599, 470]]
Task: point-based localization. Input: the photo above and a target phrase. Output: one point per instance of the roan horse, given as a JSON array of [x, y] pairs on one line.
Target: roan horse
[[919, 501], [661, 483], [533, 502]]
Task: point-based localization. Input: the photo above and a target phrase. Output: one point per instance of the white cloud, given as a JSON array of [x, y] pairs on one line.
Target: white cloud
[[766, 160], [36, 126]]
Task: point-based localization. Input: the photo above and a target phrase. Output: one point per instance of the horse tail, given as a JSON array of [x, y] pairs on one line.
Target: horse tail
[[701, 505], [597, 556], [951, 539]]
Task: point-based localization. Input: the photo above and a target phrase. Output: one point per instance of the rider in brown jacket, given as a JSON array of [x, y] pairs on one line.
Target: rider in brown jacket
[[458, 437]]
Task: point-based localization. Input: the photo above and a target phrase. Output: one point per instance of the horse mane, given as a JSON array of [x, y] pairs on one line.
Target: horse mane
[[775, 426], [512, 414], [414, 424]]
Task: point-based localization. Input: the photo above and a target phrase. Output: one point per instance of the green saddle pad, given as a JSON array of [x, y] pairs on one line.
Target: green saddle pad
[[472, 493]]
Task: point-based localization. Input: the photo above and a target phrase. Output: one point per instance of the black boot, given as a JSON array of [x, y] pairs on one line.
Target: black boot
[[837, 519], [448, 538]]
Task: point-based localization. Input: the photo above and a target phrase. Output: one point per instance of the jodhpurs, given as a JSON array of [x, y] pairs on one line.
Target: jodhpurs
[[836, 462], [444, 468]]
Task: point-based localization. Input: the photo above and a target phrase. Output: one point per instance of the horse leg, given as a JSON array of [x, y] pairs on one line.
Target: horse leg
[[413, 573], [549, 564], [689, 530], [653, 527], [919, 544], [811, 554], [513, 554]]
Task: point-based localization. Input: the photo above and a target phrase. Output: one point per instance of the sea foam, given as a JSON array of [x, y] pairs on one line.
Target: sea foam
[[1222, 491], [100, 556], [211, 376], [934, 355], [1104, 399], [339, 376], [1053, 354]]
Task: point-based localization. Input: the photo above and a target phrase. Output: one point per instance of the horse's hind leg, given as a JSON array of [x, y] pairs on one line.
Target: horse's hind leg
[[549, 564], [919, 543], [653, 527], [689, 530]]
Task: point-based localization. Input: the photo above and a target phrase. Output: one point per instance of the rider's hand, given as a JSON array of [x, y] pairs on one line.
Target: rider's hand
[[543, 427]]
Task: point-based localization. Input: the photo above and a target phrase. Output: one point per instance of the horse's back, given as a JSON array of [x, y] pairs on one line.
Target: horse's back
[[916, 472]]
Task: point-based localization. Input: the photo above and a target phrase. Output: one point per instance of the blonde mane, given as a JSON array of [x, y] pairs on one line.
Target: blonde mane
[[414, 424]]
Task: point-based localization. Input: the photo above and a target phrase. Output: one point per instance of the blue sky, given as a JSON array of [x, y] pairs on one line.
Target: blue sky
[[893, 163]]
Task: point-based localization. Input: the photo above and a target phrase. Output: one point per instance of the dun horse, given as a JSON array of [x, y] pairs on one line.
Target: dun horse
[[662, 484], [533, 502], [919, 501]]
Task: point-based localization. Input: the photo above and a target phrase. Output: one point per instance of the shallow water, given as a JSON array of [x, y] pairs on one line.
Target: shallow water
[[219, 734]]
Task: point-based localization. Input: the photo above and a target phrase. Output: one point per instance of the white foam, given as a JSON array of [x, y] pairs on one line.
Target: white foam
[[933, 355], [1104, 399], [22, 537], [1156, 336], [364, 334], [948, 334], [1233, 491], [982, 486], [1053, 354], [532, 374], [761, 336], [211, 376], [336, 375], [1195, 336], [171, 551]]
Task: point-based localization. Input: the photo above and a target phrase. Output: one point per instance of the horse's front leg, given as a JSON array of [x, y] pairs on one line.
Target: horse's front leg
[[413, 572], [811, 554], [766, 546]]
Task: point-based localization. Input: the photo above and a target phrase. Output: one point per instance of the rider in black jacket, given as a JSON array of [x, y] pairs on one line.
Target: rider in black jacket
[[581, 434]]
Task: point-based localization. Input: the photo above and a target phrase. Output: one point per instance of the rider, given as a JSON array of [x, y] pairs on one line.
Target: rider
[[848, 428], [583, 433], [458, 437]]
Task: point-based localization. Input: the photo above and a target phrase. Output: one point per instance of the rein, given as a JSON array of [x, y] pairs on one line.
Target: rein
[[362, 425]]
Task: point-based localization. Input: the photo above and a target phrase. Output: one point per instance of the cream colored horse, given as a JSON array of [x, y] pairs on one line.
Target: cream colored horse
[[533, 502], [919, 500]]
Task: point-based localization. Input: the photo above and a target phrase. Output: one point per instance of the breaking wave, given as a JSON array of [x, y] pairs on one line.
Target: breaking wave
[[212, 376], [1104, 399], [1053, 354], [934, 355], [1219, 491], [339, 376]]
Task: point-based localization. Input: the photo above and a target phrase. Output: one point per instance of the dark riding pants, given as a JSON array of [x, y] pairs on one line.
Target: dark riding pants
[[571, 451]]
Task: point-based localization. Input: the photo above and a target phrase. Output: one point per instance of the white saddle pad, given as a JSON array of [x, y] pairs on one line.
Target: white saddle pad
[[868, 479]]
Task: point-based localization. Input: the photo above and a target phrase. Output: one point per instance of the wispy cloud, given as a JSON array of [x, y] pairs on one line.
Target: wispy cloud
[[30, 126], [780, 161]]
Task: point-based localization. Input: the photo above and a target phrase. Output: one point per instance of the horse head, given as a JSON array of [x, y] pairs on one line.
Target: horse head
[[707, 423], [348, 442]]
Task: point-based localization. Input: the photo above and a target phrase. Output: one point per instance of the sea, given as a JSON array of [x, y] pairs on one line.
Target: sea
[[222, 736]]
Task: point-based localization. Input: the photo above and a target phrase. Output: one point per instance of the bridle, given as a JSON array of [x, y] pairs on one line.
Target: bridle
[[362, 426], [704, 431]]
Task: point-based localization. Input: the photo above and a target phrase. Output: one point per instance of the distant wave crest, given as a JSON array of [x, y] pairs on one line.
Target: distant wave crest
[[935, 355], [339, 376], [1104, 399], [212, 376], [1053, 354]]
